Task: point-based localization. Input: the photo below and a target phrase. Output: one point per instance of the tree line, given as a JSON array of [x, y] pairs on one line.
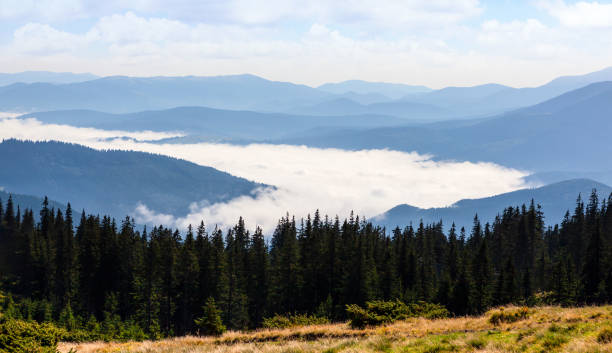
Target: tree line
[[94, 270]]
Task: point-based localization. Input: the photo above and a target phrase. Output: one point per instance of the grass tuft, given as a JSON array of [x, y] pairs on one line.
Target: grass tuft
[[605, 335]]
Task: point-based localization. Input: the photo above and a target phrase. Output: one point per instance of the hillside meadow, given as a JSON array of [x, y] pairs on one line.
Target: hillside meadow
[[510, 329]]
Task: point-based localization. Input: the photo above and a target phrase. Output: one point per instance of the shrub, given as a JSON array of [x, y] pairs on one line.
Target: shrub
[[281, 321], [210, 323], [503, 316], [605, 335], [22, 336], [428, 310], [552, 340], [477, 343], [380, 312], [382, 344]]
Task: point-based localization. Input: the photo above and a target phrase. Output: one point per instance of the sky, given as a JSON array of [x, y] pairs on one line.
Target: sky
[[335, 181], [435, 43]]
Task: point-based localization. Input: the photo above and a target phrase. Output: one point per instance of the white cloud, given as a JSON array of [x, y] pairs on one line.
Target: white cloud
[[373, 13], [32, 129], [579, 14], [334, 181], [42, 9], [42, 39], [4, 115]]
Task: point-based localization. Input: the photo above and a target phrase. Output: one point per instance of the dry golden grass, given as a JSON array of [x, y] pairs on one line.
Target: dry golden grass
[[546, 329]]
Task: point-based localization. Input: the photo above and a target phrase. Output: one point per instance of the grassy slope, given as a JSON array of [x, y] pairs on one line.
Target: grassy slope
[[547, 329]]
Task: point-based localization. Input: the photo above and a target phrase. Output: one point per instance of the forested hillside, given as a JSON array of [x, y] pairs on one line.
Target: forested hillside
[[80, 270], [113, 182], [28, 202], [555, 199]]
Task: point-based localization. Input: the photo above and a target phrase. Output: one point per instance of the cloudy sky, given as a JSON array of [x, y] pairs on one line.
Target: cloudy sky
[[430, 42]]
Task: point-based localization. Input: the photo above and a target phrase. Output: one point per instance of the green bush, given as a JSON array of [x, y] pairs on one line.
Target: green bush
[[18, 336], [210, 323], [477, 343], [508, 316], [428, 310], [380, 312], [286, 321]]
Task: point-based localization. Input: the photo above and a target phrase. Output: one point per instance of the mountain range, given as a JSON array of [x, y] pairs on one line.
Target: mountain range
[[121, 94], [419, 103], [205, 124], [555, 199], [44, 76], [113, 182], [384, 89], [563, 134]]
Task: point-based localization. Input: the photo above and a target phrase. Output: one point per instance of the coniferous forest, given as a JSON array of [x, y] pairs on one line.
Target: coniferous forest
[[89, 272]]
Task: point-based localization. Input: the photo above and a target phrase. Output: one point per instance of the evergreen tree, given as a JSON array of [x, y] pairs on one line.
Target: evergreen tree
[[210, 323]]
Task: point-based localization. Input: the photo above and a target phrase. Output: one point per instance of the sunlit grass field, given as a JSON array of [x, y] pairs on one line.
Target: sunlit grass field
[[544, 329]]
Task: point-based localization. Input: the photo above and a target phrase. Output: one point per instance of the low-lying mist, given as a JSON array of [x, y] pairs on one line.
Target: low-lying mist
[[334, 181]]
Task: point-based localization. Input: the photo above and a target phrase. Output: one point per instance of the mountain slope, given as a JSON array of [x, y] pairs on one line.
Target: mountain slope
[[28, 202], [211, 124], [399, 108], [494, 99], [555, 200], [121, 94], [567, 133], [113, 181]]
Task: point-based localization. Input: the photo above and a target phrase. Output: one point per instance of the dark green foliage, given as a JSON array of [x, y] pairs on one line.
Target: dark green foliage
[[379, 312], [293, 320], [101, 280], [210, 322], [18, 336]]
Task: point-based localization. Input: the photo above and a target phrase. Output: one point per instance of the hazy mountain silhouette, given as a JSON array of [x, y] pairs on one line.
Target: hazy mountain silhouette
[[456, 102], [568, 133], [120, 94], [391, 90], [44, 76], [410, 111], [494, 98], [212, 124]]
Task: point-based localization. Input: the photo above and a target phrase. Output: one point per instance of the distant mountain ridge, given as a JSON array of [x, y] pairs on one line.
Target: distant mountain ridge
[[113, 182], [121, 94], [390, 90], [462, 102], [555, 200], [493, 99], [562, 134], [212, 124], [44, 76]]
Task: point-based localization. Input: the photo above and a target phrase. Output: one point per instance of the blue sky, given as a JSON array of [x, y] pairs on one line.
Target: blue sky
[[434, 42]]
